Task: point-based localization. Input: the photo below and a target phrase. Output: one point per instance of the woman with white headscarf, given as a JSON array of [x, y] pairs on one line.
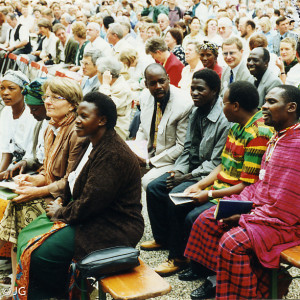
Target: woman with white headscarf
[[16, 123]]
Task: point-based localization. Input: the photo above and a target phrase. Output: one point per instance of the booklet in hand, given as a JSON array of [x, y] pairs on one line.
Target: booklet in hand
[[228, 208], [181, 198]]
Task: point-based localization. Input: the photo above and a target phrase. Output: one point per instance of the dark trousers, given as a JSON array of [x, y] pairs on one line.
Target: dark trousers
[[171, 224]]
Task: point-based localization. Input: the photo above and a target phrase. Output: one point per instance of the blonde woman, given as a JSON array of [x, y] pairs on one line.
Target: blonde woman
[[287, 58]]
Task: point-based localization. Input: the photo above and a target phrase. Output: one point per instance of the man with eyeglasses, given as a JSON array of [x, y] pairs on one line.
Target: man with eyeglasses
[[236, 69], [90, 81]]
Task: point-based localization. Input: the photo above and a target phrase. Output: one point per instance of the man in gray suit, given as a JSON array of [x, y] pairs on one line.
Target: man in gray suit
[[236, 70], [282, 26], [164, 118], [265, 80], [90, 81]]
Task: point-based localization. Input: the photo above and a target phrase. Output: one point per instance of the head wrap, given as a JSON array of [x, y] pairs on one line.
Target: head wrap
[[210, 46], [16, 77], [33, 92]]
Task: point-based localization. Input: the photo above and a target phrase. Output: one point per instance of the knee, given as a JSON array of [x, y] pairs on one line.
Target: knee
[[234, 241]]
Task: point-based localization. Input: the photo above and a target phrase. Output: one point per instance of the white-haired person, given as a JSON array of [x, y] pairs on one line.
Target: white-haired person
[[115, 86], [96, 42]]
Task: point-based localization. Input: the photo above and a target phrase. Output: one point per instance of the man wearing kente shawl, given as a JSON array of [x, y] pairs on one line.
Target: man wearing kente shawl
[[242, 248]]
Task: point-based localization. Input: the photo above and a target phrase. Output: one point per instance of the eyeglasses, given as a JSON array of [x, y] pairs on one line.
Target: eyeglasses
[[52, 98], [224, 103], [229, 53], [83, 63]]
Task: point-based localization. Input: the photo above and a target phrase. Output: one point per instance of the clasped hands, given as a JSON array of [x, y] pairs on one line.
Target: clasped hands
[[27, 188]]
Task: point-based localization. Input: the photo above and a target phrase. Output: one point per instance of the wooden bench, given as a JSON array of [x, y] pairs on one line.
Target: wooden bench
[[291, 257], [140, 283]]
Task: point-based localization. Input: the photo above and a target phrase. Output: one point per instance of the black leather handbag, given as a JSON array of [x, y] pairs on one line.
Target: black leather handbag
[[105, 262]]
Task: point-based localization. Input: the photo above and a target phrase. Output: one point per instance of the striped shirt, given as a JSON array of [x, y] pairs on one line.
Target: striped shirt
[[243, 151]]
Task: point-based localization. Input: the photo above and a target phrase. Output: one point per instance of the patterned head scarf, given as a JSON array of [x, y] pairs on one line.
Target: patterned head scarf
[[210, 46], [16, 77], [33, 92]]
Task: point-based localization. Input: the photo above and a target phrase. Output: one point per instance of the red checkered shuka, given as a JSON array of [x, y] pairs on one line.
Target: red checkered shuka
[[239, 273]]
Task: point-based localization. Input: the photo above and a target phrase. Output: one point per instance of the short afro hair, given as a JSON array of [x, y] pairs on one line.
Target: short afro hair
[[291, 94], [211, 78], [245, 94], [106, 107]]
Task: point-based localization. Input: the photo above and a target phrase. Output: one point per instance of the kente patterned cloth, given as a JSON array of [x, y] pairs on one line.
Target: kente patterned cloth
[[242, 153]]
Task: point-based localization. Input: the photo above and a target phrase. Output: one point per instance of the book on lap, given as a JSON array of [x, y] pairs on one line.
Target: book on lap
[[181, 198], [228, 208], [7, 194]]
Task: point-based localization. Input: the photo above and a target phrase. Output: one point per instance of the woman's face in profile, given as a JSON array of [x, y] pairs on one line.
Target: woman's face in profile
[[87, 122]]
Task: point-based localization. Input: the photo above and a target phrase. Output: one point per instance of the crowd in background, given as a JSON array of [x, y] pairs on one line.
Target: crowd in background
[[151, 58]]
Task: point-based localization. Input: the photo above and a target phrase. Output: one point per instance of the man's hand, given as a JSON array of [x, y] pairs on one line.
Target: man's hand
[[193, 189], [10, 49], [200, 197], [175, 178], [232, 221]]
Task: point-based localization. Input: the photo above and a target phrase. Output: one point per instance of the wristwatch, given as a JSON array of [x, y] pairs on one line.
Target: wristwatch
[[210, 196]]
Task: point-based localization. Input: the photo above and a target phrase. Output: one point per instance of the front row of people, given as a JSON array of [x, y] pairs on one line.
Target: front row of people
[[255, 165], [90, 181]]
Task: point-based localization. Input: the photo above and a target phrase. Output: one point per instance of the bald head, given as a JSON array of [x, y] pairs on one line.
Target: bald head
[[258, 62], [157, 81]]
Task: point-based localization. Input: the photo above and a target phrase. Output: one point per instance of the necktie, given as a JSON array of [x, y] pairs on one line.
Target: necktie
[[157, 121], [231, 76]]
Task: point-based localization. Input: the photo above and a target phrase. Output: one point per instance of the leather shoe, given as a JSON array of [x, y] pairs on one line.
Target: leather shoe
[[189, 275], [151, 246], [171, 266], [205, 291]]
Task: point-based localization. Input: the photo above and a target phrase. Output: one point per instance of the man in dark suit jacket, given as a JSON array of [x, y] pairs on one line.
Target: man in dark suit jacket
[[66, 46]]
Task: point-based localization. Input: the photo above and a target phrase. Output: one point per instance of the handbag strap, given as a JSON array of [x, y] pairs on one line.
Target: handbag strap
[[75, 273]]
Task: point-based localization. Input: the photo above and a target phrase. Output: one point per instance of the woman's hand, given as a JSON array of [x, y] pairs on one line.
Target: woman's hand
[[279, 63], [107, 77], [52, 208], [29, 180], [27, 193]]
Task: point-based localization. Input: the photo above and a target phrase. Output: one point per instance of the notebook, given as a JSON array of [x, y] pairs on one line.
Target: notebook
[[228, 208]]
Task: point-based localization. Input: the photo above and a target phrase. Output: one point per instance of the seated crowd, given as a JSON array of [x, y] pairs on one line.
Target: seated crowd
[[207, 92]]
